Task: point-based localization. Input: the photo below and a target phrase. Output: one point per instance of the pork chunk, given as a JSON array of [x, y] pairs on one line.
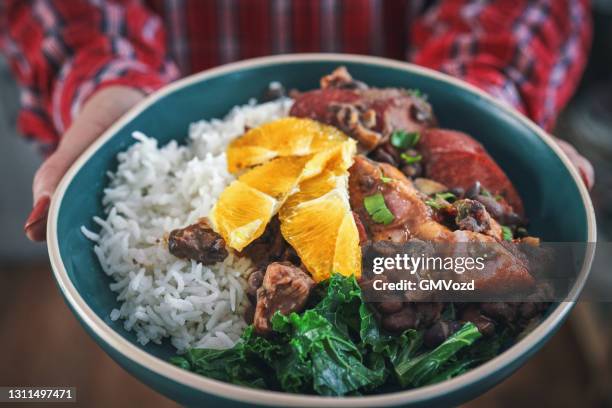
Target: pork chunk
[[285, 289]]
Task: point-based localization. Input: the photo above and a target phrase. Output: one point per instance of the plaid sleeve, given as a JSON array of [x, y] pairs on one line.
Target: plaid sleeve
[[530, 54], [63, 51]]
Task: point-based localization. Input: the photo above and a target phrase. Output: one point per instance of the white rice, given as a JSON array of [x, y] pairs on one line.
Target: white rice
[[155, 190]]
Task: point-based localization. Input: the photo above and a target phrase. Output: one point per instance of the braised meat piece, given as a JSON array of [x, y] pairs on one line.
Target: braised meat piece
[[198, 242], [457, 160], [369, 115], [412, 218], [285, 289]]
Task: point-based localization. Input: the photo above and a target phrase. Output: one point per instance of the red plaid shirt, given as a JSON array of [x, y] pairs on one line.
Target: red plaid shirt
[[528, 53]]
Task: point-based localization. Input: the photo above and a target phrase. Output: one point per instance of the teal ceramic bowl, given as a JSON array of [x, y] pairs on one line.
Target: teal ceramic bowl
[[540, 171]]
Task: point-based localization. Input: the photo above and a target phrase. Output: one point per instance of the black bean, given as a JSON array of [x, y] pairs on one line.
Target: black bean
[[528, 310], [512, 219], [413, 170], [254, 282], [392, 150], [521, 232], [457, 191], [390, 306], [381, 155], [485, 325], [495, 209], [274, 91], [428, 312], [499, 311], [400, 321], [473, 190], [249, 313], [440, 331]]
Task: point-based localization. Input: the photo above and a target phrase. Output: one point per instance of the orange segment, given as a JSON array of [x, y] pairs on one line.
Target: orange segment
[[277, 178], [241, 214], [347, 256], [313, 188], [280, 138], [339, 156], [322, 230]]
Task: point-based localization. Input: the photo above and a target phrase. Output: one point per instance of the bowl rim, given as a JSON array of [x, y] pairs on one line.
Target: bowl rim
[[275, 398]]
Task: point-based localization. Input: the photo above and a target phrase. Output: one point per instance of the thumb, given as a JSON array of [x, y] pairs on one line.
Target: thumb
[[104, 108]]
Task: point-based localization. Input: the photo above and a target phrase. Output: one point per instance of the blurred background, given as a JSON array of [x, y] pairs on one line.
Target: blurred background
[[48, 347]]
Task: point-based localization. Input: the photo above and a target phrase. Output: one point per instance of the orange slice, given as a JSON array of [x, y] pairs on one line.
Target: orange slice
[[281, 138], [241, 214], [321, 228], [277, 178]]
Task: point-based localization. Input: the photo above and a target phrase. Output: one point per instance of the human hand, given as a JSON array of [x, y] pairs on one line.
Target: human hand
[[582, 164], [98, 113]]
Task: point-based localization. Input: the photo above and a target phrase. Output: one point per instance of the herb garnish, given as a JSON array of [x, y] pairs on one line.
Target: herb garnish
[[384, 178], [447, 196], [416, 93], [506, 233], [441, 200], [377, 209], [411, 159], [436, 205], [403, 140]]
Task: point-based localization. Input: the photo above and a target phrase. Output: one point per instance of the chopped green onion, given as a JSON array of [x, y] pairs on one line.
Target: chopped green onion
[[377, 209], [411, 159], [506, 233], [498, 197], [384, 178], [415, 92], [485, 192], [435, 204], [441, 200], [403, 140], [448, 196]]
